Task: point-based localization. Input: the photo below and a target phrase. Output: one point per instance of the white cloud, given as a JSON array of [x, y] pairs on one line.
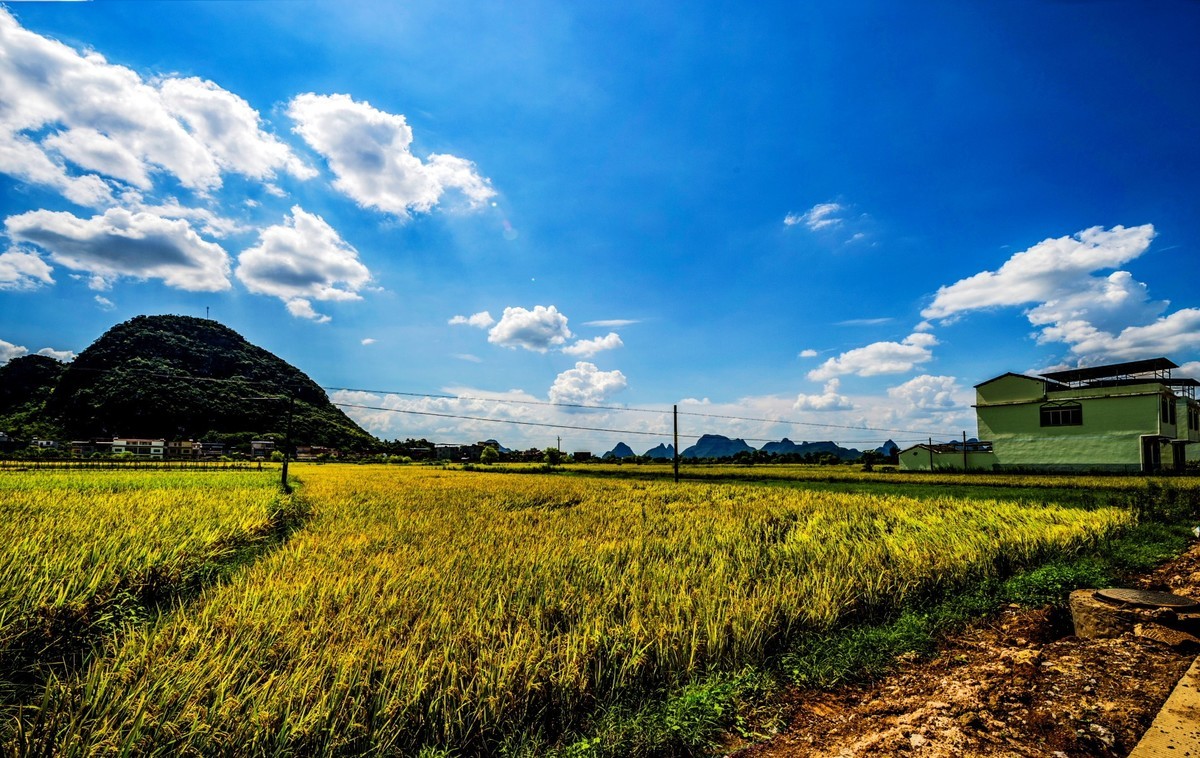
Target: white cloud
[[809, 353], [931, 393], [586, 385], [209, 222], [828, 400], [68, 119], [369, 151], [468, 357], [20, 270], [1100, 318], [104, 303], [1048, 271], [588, 348], [8, 351], [120, 243], [230, 129], [820, 216], [695, 401], [612, 323], [1173, 333], [481, 320], [368, 341], [538, 330], [58, 355], [1191, 370], [303, 259], [301, 308], [864, 321], [878, 358]]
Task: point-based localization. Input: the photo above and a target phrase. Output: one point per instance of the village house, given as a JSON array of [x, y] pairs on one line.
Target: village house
[[1123, 417]]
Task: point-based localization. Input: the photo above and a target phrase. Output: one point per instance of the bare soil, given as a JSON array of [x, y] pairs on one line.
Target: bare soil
[[1018, 685]]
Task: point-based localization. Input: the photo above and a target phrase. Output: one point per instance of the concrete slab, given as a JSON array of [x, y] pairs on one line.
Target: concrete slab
[[1176, 729]]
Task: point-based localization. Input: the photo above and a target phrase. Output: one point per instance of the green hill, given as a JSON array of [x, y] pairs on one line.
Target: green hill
[[25, 385], [179, 377]]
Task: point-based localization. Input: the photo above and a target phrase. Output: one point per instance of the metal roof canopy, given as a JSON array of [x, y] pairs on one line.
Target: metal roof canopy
[[1159, 367]]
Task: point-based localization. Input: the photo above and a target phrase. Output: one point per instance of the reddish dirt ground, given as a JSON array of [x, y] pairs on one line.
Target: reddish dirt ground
[[1014, 686]]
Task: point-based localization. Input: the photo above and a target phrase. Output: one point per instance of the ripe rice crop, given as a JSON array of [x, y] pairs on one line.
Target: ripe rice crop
[[430, 607], [78, 550], [801, 472]]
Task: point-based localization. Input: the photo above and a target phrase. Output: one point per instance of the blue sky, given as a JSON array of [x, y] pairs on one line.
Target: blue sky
[[841, 215]]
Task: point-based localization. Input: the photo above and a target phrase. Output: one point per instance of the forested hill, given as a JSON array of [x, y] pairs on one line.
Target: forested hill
[[179, 377]]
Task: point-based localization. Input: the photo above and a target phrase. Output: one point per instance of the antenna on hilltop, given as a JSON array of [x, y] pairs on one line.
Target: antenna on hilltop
[[206, 313]]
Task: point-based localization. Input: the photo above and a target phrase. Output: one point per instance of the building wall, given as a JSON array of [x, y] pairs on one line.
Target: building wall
[[918, 459], [1114, 421]]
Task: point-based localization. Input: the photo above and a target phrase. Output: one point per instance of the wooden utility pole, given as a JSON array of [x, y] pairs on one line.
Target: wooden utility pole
[[964, 451], [287, 442], [675, 413], [931, 455]]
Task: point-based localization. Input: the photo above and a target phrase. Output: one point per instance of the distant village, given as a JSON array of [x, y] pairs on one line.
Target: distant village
[[1132, 417]]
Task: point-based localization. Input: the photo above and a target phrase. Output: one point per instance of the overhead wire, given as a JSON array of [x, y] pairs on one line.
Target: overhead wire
[[516, 401]]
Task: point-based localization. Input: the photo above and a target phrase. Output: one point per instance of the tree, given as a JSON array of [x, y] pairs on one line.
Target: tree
[[489, 455], [554, 456]]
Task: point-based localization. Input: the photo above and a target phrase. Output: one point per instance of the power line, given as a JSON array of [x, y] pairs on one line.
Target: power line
[[241, 380], [632, 409], [552, 426], [509, 421]]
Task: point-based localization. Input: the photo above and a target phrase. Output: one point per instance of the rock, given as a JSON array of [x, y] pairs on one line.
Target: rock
[[1172, 638]]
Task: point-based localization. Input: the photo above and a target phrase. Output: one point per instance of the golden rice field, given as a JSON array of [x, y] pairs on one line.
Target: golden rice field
[[426, 607]]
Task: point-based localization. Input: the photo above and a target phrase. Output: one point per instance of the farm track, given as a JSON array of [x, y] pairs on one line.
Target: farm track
[[1016, 686]]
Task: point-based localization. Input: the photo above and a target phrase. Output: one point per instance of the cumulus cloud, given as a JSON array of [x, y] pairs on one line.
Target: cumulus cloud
[[1173, 333], [1100, 317], [809, 353], [820, 216], [828, 400], [370, 153], [586, 385], [931, 393], [69, 119], [230, 129], [878, 358], [300, 260], [1191, 370], [588, 348], [20, 270], [119, 243], [58, 355], [539, 330], [481, 320], [1044, 273], [8, 351], [301, 308]]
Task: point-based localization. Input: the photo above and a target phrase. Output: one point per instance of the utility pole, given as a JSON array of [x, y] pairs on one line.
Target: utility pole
[[558, 443], [964, 450], [675, 446], [931, 455], [287, 442]]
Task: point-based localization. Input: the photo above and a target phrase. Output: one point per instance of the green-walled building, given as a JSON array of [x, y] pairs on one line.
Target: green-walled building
[[1122, 417]]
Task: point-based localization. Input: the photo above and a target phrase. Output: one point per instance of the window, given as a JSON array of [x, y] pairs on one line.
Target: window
[[1194, 418], [1168, 410], [1062, 414]]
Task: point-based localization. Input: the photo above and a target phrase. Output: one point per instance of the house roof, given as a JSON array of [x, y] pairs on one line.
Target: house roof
[[1008, 374], [1113, 371]]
